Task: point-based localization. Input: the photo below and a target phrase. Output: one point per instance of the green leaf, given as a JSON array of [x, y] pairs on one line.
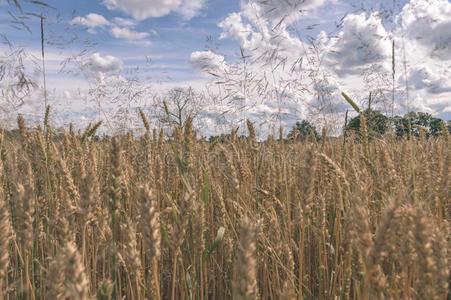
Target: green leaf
[[206, 190], [217, 241], [165, 235], [189, 284]]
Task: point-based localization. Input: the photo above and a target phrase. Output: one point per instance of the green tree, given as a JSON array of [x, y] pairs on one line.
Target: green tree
[[377, 123], [302, 130], [222, 138], [414, 120]]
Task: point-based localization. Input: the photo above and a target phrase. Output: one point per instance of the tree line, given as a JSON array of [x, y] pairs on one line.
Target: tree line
[[411, 124]]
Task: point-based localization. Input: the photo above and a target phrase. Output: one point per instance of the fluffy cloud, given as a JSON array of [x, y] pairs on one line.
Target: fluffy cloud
[[190, 8], [90, 21], [286, 11], [429, 23], [124, 22], [255, 33], [278, 82], [207, 61], [424, 78], [362, 41], [144, 9], [357, 59], [326, 85], [233, 27], [119, 28], [97, 63], [128, 34]]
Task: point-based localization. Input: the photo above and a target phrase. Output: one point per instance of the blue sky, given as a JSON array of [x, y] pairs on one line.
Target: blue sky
[[170, 43], [172, 37], [179, 42]]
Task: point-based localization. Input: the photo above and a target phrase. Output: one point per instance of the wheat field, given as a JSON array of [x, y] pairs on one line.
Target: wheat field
[[158, 217]]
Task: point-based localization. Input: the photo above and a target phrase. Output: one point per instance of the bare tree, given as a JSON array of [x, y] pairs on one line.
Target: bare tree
[[178, 105]]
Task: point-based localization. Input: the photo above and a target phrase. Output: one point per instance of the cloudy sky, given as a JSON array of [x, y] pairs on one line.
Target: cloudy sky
[[298, 55]]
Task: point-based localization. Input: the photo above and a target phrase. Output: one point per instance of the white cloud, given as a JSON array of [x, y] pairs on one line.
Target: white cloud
[[277, 83], [144, 9], [429, 23], [326, 85], [91, 21], [97, 63], [119, 28], [190, 8], [122, 22], [256, 34], [362, 41], [207, 61], [233, 27], [128, 34], [424, 77], [357, 59], [286, 11]]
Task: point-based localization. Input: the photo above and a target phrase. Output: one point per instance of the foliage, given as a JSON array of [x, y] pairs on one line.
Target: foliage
[[378, 124], [413, 121], [303, 130]]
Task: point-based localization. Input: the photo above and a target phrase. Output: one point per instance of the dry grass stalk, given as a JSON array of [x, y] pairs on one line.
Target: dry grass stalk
[[245, 282], [137, 217]]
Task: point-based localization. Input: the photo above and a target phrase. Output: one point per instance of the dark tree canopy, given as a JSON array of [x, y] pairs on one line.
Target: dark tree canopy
[[412, 121], [378, 124], [303, 130]]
